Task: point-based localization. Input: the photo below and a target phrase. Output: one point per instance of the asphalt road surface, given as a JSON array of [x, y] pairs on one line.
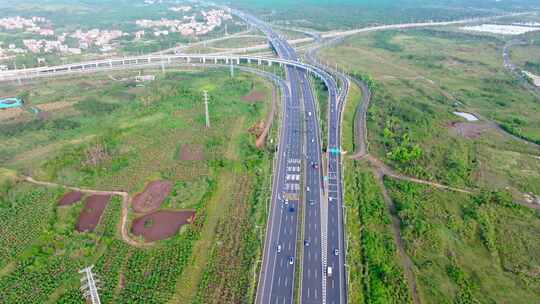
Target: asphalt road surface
[[283, 224]]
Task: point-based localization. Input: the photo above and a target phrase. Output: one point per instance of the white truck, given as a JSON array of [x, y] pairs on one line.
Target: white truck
[[329, 271]]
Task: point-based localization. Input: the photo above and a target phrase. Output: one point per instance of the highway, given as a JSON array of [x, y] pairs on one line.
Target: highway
[[280, 255], [336, 249], [322, 211], [298, 177]]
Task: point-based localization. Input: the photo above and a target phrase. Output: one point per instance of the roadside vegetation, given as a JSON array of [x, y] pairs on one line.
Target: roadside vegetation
[[105, 134], [321, 96], [376, 275]]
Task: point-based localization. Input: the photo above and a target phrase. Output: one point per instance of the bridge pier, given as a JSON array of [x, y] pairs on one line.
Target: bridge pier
[[269, 62], [259, 62]]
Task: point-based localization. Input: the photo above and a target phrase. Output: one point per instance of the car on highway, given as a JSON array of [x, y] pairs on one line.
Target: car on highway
[[311, 202], [291, 260], [315, 165], [307, 188], [278, 248], [329, 271], [336, 252], [306, 243]]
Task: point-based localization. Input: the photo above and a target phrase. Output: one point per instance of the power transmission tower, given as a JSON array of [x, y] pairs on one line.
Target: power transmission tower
[[206, 109], [88, 286]]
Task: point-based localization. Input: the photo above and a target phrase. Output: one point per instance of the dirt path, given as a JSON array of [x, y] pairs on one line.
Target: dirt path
[[398, 240], [125, 207], [261, 140], [384, 170]]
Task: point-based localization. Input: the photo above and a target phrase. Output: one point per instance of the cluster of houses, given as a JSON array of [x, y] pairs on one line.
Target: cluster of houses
[[188, 25], [43, 38]]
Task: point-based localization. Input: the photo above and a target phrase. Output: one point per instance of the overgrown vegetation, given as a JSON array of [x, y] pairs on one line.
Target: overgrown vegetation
[[410, 121], [376, 275], [469, 249]]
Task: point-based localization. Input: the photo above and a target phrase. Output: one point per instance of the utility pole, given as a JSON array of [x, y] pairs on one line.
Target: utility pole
[[89, 287], [206, 108], [232, 69]]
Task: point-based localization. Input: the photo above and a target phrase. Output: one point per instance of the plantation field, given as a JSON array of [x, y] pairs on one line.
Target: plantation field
[[421, 77], [99, 133]]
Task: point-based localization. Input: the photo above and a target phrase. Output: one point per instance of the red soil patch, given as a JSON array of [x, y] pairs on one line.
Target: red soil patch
[[192, 152], [257, 129], [70, 198], [91, 214], [254, 96], [160, 225], [470, 130], [152, 197]]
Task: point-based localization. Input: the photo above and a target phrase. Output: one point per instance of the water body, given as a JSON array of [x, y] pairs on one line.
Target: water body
[[467, 116]]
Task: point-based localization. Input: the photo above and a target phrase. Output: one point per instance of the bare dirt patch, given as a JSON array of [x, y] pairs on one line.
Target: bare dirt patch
[[192, 152], [6, 114], [152, 197], [52, 106], [91, 214], [469, 130], [254, 96], [257, 129], [160, 225], [70, 198]]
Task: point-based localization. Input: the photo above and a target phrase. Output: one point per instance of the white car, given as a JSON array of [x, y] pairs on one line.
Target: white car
[[291, 260], [278, 248]]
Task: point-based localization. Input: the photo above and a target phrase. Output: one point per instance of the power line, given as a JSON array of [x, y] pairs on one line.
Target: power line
[[206, 108], [88, 286]]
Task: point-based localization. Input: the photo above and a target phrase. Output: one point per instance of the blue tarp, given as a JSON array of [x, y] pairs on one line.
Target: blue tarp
[[10, 103]]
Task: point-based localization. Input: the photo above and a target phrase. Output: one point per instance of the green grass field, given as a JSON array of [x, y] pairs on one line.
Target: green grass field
[[422, 76], [142, 130]]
